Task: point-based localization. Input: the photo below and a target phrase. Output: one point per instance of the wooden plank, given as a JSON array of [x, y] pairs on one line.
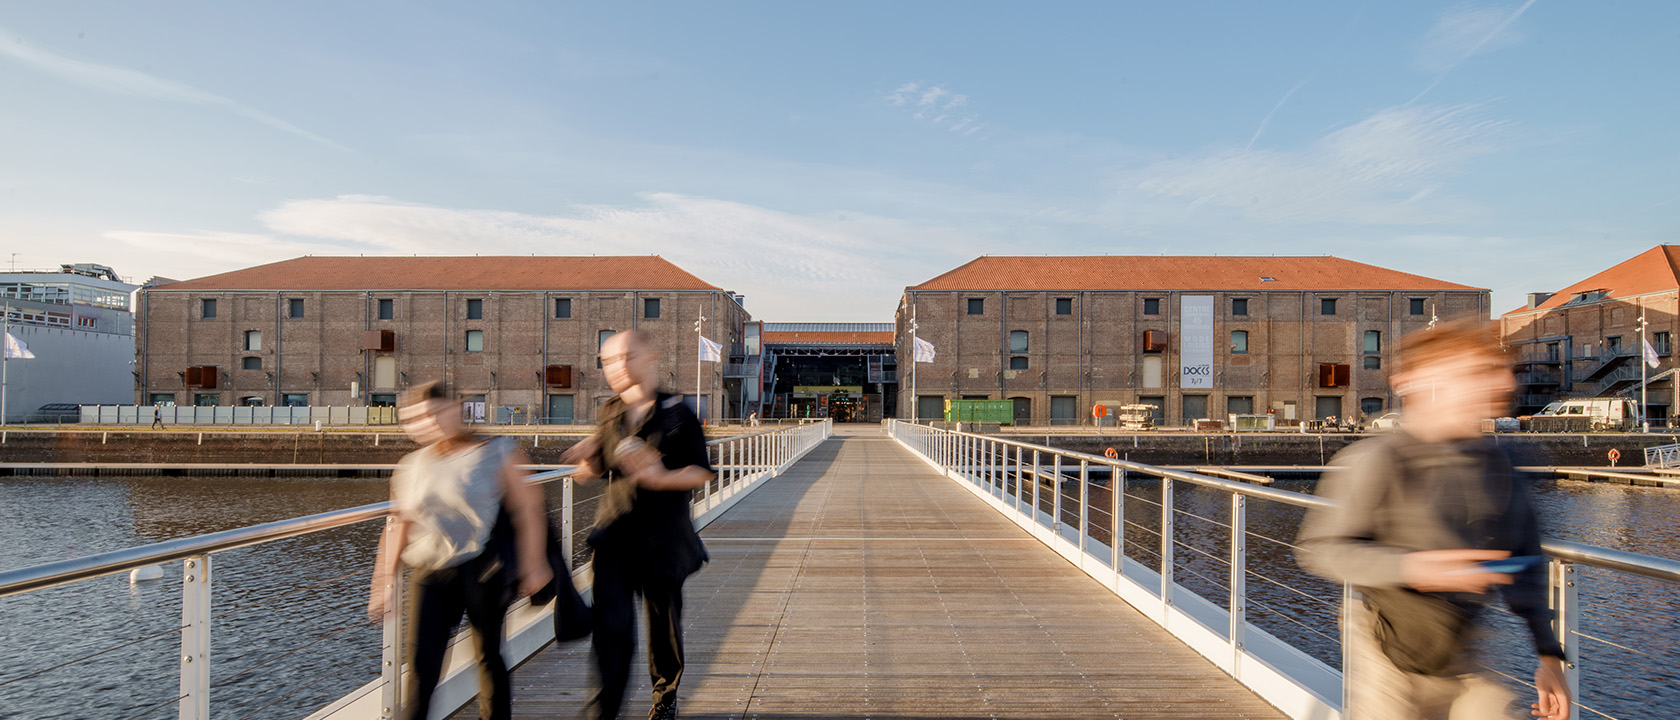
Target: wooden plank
[[861, 584]]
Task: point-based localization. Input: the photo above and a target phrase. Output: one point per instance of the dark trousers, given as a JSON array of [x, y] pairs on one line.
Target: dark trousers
[[617, 581], [477, 587]]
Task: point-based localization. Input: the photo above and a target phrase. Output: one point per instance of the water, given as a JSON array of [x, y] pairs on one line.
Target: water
[[290, 632]]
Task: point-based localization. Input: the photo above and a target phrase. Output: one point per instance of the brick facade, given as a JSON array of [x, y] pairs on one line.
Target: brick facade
[[320, 356], [1095, 352]]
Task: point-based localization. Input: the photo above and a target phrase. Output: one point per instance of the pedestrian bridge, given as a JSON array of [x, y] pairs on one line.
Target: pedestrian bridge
[[905, 572]]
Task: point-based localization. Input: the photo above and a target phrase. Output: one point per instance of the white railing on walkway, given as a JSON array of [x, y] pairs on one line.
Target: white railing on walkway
[[742, 462], [1069, 501]]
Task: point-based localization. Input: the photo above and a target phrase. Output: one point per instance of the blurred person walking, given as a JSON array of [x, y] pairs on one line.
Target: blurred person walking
[[446, 499], [652, 449], [1429, 520]]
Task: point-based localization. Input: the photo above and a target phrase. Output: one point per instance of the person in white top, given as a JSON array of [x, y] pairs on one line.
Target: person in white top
[[447, 497]]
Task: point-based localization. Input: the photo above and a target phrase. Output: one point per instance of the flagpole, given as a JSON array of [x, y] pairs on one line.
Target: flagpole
[[1644, 369], [699, 356], [915, 402]]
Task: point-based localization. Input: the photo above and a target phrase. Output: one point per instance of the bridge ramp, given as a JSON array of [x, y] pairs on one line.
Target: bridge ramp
[[863, 584]]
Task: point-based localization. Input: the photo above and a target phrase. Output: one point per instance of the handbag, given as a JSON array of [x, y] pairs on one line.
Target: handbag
[[1420, 633], [573, 618]]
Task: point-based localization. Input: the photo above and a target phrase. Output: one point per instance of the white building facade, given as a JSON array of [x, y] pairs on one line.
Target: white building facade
[[78, 323]]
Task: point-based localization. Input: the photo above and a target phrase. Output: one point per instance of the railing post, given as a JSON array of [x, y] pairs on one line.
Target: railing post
[[1084, 502], [566, 521], [1117, 541], [1567, 613], [1239, 580], [1016, 496], [195, 638], [1056, 499], [1348, 630], [1166, 544], [391, 656], [1034, 513]]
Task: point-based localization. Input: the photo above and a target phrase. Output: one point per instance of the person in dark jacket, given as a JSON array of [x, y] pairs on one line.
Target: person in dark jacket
[[653, 451], [1418, 513]]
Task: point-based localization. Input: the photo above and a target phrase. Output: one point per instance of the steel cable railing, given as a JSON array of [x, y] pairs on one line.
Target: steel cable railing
[[741, 461], [1219, 627]]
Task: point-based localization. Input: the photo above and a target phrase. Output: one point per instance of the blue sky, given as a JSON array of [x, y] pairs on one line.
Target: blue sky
[[820, 157]]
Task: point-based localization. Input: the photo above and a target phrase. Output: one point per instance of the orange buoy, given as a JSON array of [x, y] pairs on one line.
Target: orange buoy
[[1111, 453]]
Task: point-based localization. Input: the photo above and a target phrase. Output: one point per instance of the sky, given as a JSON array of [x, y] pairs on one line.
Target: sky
[[819, 157]]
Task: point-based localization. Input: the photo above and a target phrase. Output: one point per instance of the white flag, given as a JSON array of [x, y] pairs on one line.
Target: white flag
[[16, 349], [710, 351], [1650, 355], [924, 351]]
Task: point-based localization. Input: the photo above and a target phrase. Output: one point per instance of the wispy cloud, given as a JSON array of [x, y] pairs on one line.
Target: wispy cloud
[[124, 81], [1463, 32], [936, 105], [793, 266], [1387, 169]]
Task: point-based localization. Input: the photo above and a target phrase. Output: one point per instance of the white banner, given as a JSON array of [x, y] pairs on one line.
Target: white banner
[[1195, 341]]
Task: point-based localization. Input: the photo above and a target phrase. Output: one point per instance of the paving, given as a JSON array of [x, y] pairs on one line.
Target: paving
[[862, 584]]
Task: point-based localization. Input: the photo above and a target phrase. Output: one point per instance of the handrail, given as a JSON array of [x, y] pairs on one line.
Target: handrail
[[46, 575], [1638, 563]]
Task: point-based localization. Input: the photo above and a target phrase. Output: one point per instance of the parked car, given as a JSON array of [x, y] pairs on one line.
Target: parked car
[[1385, 422]]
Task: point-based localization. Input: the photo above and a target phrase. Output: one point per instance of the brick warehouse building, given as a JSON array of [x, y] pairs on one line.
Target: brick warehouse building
[[519, 334], [1583, 341], [1199, 337]]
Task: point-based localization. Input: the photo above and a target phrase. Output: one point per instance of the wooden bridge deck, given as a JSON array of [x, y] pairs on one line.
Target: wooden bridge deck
[[863, 584]]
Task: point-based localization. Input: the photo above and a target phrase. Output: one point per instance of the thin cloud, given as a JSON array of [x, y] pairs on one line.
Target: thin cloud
[[935, 105], [124, 81], [1462, 33], [1385, 170], [792, 267]]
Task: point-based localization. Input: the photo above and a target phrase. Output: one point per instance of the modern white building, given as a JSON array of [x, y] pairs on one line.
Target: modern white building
[[78, 322]]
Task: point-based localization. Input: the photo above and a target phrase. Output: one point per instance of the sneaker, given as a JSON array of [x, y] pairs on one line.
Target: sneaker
[[663, 711]]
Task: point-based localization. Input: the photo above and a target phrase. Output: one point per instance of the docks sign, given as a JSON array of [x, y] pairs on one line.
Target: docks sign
[[1195, 341]]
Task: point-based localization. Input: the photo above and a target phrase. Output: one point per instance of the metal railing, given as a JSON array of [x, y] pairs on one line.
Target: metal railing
[[1662, 456], [1151, 550], [741, 463]]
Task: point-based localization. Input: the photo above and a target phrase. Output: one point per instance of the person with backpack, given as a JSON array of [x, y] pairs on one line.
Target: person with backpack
[[446, 498], [1429, 521]]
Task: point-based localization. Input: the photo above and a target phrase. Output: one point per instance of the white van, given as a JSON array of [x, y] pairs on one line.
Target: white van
[[1589, 414]]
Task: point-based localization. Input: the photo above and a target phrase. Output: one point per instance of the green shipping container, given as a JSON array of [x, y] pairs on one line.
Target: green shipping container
[[998, 411]]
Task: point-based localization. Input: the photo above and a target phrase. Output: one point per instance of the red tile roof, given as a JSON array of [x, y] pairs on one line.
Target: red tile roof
[[1654, 270], [637, 272], [842, 338], [1169, 272]]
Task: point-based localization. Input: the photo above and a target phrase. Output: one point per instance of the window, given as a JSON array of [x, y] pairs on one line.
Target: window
[[1195, 408], [294, 308], [387, 309], [251, 401], [601, 341], [1152, 306], [207, 309], [250, 363], [1239, 307], [294, 400], [253, 339], [1659, 342], [1064, 410], [475, 309], [1018, 362], [475, 341], [650, 308], [207, 399], [1552, 350], [1017, 341], [164, 399], [977, 306], [1064, 306], [562, 308], [1240, 405], [1327, 306], [1373, 362], [382, 400], [1416, 305], [1239, 342], [1332, 375], [1371, 406], [1613, 346], [1373, 342]]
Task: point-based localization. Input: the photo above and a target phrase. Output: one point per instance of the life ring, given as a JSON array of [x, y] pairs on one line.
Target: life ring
[[1614, 455], [1111, 453]]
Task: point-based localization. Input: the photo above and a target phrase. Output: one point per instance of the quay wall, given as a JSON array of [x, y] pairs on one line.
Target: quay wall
[[359, 448]]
